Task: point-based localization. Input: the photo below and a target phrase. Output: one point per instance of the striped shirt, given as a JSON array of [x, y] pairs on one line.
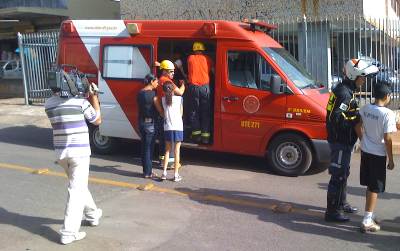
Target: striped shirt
[[70, 132]]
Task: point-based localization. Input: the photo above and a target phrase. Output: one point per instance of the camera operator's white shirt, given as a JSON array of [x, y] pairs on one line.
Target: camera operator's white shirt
[[70, 132], [377, 120]]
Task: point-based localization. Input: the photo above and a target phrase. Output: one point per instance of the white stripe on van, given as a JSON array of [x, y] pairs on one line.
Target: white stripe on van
[[114, 121]]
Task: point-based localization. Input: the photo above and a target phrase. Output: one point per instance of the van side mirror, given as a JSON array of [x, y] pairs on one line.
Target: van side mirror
[[277, 87]]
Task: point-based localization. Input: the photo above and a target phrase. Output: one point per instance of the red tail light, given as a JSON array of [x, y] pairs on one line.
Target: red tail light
[[67, 28]]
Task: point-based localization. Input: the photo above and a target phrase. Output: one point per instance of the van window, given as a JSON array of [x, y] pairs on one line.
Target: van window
[[250, 70], [126, 61], [292, 68]]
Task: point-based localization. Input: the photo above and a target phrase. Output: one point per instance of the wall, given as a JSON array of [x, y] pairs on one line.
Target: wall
[[379, 8], [94, 9], [11, 88], [236, 9]]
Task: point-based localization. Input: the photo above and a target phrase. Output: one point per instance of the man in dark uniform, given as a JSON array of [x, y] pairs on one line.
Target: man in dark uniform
[[342, 116]]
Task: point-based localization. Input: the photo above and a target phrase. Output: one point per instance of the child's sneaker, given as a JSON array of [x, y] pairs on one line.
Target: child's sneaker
[[371, 227], [178, 178]]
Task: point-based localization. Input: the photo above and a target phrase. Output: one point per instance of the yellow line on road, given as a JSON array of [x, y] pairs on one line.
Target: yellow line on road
[[190, 194], [280, 208]]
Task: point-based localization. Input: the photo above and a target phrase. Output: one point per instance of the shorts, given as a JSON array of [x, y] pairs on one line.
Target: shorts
[[373, 172], [173, 136]]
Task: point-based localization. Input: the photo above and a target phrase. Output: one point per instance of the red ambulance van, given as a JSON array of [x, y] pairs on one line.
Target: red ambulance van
[[264, 102]]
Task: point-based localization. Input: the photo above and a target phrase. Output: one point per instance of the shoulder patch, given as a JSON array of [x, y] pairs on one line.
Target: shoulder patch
[[343, 107]]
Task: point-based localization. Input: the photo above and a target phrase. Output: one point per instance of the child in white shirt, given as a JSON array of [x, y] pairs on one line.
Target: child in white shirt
[[173, 128], [375, 129]]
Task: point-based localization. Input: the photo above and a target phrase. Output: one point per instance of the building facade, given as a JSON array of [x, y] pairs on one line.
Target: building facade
[[28, 16], [261, 9], [36, 16]]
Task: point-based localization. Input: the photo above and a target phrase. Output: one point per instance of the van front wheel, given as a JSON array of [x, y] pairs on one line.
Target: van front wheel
[[101, 144], [289, 154]]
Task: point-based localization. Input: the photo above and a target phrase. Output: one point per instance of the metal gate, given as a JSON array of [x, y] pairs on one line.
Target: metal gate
[[38, 53], [323, 45]]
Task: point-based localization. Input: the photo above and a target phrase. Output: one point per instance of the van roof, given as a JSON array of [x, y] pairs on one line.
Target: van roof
[[193, 28], [181, 28]]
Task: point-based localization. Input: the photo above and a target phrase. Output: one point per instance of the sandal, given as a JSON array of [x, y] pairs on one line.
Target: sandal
[[172, 167], [153, 175]]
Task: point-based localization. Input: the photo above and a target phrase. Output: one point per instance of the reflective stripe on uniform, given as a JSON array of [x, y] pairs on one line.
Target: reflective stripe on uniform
[[349, 118], [205, 134], [196, 132]]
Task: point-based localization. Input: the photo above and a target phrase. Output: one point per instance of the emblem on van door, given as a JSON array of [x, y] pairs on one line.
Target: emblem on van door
[[251, 104]]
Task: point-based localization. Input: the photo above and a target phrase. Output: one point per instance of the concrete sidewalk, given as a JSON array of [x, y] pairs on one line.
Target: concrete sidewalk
[[14, 111], [396, 143]]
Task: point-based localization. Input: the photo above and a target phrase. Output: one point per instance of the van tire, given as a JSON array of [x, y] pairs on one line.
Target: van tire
[[101, 144], [289, 154]]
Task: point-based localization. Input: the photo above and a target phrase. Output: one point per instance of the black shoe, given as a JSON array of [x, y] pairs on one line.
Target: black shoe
[[196, 139], [205, 140], [347, 208], [336, 217]]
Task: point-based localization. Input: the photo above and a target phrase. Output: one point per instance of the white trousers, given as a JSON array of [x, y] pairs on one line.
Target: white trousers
[[80, 200]]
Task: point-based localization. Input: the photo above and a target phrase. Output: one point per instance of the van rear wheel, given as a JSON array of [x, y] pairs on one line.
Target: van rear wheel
[[289, 154], [101, 144]]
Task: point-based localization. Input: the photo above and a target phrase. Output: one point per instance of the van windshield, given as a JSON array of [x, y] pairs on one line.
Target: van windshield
[[291, 67]]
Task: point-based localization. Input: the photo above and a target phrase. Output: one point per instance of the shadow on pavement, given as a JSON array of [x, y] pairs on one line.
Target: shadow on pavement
[[27, 136], [296, 221], [114, 170], [32, 224], [129, 151], [360, 191]]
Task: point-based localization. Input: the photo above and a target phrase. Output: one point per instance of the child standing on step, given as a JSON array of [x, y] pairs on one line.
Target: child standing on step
[[375, 131]]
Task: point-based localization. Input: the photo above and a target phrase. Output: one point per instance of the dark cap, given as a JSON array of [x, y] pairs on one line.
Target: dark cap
[[381, 90], [149, 78]]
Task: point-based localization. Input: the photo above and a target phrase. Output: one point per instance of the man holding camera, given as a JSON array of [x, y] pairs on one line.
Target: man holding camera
[[67, 115]]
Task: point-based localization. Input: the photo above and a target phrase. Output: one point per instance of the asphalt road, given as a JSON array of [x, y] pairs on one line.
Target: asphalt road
[[225, 202]]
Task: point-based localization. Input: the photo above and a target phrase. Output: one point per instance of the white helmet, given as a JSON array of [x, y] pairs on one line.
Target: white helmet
[[359, 67]]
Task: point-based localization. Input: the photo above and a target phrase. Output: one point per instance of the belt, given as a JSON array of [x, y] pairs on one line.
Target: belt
[[148, 120], [196, 84]]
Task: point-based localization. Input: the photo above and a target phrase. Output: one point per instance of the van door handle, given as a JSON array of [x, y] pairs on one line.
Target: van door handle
[[231, 98]]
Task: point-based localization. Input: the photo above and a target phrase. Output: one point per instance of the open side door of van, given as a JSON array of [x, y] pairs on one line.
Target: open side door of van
[[124, 62]]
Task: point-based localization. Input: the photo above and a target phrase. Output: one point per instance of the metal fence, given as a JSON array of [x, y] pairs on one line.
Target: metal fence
[[38, 53], [323, 45]]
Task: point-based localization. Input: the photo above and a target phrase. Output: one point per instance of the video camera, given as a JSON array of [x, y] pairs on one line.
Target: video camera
[[68, 81]]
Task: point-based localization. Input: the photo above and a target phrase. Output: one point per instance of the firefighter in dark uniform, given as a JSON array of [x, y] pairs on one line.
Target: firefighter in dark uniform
[[200, 66], [342, 116]]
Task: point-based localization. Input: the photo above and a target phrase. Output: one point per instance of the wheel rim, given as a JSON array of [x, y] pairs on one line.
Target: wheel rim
[[289, 155], [100, 140]]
